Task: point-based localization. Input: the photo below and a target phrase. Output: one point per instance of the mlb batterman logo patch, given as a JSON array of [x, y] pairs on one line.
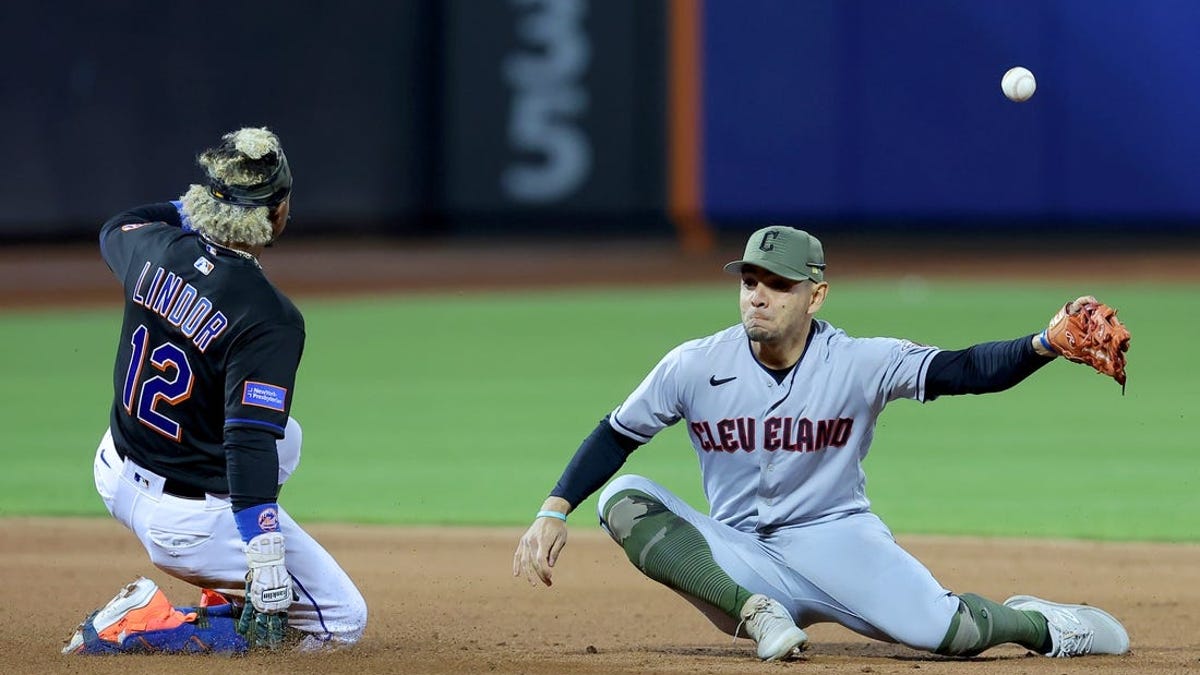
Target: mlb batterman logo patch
[[204, 265]]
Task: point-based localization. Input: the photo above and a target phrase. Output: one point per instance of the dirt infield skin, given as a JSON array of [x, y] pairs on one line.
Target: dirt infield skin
[[444, 600]]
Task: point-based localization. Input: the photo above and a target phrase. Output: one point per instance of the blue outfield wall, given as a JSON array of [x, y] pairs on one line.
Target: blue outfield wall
[[550, 118], [863, 109]]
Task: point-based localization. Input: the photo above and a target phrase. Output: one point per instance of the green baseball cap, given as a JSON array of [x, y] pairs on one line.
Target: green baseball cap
[[790, 253]]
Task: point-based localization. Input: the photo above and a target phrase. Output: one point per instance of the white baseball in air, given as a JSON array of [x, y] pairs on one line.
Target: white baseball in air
[[1018, 84]]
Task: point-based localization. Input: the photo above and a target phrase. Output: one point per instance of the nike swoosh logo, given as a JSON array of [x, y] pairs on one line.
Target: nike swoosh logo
[[716, 383]]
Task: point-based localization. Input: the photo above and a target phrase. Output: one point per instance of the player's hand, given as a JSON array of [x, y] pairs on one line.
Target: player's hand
[[1087, 331], [262, 630], [268, 584], [538, 550], [1041, 343], [1077, 304], [264, 619]]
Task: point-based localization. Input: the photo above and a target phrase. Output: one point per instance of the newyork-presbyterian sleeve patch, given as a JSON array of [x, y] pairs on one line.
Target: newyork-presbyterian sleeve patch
[[264, 395]]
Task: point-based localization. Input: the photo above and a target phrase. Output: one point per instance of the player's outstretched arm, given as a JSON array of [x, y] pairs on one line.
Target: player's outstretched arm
[[538, 549], [1084, 330]]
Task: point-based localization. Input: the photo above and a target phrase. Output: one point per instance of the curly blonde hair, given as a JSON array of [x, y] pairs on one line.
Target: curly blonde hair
[[245, 157]]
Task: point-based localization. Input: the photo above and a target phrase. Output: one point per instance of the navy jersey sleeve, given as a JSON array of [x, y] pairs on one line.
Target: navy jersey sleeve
[[598, 458], [983, 368], [252, 463], [121, 234], [261, 377]]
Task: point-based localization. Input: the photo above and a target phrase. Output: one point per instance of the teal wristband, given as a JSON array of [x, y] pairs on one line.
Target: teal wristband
[[552, 514]]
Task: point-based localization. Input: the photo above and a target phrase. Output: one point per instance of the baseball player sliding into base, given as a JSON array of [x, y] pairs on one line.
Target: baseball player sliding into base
[[781, 411], [200, 438]]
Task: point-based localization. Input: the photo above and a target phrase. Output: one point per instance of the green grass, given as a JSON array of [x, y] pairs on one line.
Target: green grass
[[463, 409]]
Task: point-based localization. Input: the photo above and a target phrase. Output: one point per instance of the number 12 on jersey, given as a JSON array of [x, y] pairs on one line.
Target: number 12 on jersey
[[158, 388]]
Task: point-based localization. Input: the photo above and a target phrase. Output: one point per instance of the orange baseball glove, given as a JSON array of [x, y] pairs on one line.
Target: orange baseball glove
[[1088, 331]]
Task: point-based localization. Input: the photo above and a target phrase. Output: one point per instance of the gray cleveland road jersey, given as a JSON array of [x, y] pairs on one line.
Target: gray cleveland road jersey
[[771, 453]]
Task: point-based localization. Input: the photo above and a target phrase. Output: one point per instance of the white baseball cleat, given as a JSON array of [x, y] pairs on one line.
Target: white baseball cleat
[[106, 629], [1076, 630], [770, 625]]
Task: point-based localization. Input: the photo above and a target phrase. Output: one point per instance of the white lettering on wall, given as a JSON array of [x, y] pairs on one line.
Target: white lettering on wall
[[546, 76]]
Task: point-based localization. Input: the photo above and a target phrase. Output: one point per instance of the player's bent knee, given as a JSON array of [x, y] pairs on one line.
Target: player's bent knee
[[333, 625], [622, 483], [622, 512], [351, 620], [625, 509], [334, 628], [628, 481], [358, 616]]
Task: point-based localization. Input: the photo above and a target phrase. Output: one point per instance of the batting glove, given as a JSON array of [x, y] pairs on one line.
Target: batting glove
[[268, 584]]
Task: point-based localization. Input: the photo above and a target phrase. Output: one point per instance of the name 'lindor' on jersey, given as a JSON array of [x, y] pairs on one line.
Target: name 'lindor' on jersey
[[778, 433], [193, 314]]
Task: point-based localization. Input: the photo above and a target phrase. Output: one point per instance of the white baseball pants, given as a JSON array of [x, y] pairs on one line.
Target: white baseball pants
[[848, 570], [197, 541]]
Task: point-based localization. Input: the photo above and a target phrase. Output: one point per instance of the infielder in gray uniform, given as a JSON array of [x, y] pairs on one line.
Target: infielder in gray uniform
[[781, 411]]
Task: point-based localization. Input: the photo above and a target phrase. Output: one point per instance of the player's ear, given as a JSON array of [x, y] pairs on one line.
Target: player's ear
[[279, 217], [817, 297]]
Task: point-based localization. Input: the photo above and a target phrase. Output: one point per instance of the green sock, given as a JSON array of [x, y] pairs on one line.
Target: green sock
[[671, 550], [981, 623]]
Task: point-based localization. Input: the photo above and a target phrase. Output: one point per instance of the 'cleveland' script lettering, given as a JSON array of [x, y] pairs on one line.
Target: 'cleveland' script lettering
[[789, 434]]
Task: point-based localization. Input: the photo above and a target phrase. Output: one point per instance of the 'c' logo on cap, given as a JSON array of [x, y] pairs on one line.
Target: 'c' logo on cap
[[767, 238]]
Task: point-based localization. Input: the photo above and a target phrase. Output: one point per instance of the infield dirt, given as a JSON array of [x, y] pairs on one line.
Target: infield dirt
[[444, 601]]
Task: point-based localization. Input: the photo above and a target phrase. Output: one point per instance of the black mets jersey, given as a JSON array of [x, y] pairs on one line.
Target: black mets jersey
[[208, 344]]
